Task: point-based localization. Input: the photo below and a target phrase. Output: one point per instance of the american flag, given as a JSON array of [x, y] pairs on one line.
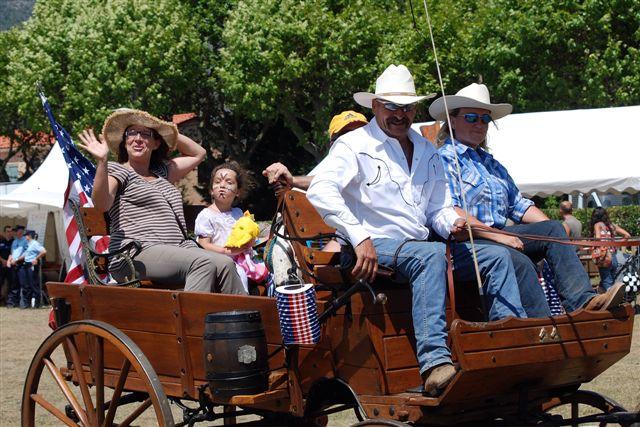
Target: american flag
[[81, 173]]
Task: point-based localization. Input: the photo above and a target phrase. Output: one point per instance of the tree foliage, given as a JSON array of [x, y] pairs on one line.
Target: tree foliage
[[266, 76], [559, 54], [301, 61], [139, 54]]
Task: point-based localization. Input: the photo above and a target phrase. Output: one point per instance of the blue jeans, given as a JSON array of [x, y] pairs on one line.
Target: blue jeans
[[499, 283], [607, 274], [571, 279], [424, 265], [532, 295]]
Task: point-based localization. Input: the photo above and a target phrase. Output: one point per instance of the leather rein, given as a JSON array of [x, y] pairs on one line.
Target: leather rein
[[585, 242]]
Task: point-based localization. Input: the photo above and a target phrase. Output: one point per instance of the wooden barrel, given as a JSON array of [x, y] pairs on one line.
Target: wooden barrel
[[235, 353]]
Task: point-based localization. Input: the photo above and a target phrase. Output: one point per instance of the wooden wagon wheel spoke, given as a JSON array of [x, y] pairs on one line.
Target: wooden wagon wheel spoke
[[84, 388], [93, 342], [53, 410], [97, 368], [117, 392], [135, 414], [71, 398]]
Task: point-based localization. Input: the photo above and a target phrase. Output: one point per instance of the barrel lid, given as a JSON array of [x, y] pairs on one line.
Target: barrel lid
[[233, 316]]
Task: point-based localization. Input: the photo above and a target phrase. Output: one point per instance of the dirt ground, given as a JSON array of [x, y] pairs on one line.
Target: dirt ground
[[22, 331]]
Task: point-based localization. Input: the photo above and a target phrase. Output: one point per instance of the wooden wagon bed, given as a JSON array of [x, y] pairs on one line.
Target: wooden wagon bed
[[371, 348], [512, 370]]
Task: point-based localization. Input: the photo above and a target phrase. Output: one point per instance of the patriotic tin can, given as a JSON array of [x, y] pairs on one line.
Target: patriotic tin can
[[298, 314]]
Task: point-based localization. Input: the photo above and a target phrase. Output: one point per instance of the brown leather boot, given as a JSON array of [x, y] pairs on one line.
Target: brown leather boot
[[438, 378], [610, 299]]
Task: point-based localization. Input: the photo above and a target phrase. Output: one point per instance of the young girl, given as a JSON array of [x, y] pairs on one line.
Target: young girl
[[229, 183]]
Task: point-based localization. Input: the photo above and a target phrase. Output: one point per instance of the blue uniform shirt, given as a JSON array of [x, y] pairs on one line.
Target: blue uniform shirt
[[33, 250], [18, 247], [490, 192]]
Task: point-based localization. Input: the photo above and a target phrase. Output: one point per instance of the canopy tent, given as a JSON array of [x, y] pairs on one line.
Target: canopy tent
[[569, 152], [44, 190]]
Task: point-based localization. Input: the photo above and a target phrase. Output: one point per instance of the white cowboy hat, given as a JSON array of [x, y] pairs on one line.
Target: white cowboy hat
[[473, 96], [122, 118], [395, 85]]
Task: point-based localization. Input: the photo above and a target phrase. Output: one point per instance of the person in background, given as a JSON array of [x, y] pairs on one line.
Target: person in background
[[340, 124], [32, 255], [571, 225], [16, 264], [145, 206], [5, 272], [492, 197], [278, 175], [602, 227]]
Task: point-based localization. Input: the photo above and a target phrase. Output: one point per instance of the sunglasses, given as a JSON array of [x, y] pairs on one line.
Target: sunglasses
[[395, 107], [473, 118], [132, 133]]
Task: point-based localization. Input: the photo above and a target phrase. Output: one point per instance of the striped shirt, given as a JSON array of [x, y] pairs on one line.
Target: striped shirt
[[146, 211], [490, 192]]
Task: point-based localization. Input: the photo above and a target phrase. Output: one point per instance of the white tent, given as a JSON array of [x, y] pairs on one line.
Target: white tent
[[43, 191], [569, 152]]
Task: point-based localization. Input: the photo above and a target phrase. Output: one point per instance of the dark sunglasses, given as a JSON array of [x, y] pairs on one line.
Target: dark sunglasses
[[395, 107], [473, 118], [132, 133]]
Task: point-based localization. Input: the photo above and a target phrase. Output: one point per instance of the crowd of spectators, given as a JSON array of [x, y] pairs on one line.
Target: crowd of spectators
[[21, 256]]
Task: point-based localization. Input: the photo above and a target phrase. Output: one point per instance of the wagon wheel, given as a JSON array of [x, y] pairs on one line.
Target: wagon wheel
[[91, 337], [380, 423], [583, 402]]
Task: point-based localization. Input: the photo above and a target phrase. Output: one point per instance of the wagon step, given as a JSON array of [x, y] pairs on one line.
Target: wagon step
[[250, 399]]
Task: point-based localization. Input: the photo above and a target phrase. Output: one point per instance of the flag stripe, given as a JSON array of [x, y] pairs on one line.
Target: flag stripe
[[79, 188]]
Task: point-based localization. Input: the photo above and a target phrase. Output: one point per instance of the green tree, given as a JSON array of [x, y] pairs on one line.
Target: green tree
[[299, 62], [139, 53], [559, 54], [13, 127], [228, 133]]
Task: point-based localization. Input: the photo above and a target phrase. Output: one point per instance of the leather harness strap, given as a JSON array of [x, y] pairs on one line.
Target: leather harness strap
[[587, 242], [452, 293]]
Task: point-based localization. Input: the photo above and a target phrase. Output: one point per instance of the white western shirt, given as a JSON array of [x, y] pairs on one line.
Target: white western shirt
[[364, 188]]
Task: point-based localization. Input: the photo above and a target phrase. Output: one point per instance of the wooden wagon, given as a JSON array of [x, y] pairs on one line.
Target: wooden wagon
[[126, 350]]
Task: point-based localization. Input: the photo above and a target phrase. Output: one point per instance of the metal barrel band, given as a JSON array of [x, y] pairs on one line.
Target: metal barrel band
[[234, 335]]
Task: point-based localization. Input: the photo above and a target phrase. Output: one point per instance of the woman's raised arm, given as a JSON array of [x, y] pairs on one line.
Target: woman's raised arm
[[192, 155], [104, 186]]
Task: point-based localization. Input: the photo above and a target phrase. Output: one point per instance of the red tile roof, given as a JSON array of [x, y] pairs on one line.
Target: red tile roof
[[43, 140], [48, 139], [181, 118]]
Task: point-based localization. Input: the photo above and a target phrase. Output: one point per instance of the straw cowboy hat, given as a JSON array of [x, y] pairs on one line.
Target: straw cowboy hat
[[395, 85], [473, 96], [122, 118]]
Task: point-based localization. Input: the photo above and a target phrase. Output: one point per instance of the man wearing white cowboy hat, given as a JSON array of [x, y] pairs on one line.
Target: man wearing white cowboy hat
[[382, 185], [492, 197]]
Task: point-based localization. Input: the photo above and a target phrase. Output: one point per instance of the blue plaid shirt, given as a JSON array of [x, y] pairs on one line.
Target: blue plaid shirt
[[491, 194]]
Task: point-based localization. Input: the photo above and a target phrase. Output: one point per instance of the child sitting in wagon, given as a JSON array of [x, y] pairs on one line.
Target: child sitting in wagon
[[230, 183]]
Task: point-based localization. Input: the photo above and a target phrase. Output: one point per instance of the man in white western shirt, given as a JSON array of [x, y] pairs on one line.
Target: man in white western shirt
[[382, 185]]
